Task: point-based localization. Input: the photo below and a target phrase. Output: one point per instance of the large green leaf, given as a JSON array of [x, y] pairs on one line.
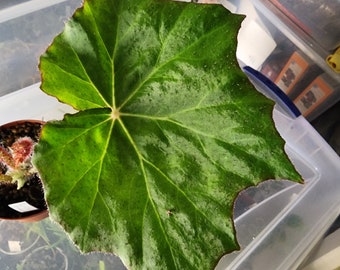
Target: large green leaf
[[169, 130]]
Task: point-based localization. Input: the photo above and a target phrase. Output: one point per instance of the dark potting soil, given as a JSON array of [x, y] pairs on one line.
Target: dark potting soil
[[32, 192], [8, 135]]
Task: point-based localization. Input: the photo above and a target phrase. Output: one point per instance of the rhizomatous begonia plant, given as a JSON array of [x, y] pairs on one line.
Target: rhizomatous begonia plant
[[168, 131]]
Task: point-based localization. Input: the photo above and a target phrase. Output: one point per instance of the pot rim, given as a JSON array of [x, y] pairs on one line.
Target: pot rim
[[31, 218], [19, 121]]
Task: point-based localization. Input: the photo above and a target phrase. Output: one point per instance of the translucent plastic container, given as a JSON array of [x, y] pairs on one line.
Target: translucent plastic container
[[26, 29], [280, 220], [296, 59], [317, 19], [278, 223], [282, 229]]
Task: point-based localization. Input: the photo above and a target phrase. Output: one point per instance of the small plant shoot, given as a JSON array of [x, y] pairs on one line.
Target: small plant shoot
[[168, 131], [16, 161]]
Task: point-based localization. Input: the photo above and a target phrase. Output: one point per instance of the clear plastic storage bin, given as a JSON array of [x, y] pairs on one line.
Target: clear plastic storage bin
[[280, 220], [26, 29], [297, 50], [282, 229]]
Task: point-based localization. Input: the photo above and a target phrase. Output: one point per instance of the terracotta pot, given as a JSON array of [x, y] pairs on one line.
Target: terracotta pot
[[28, 203]]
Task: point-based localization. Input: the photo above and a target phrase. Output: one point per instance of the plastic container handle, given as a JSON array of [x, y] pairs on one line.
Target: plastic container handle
[[273, 91]]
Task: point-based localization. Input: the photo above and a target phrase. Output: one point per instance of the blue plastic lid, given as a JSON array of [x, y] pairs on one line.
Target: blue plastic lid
[[273, 91]]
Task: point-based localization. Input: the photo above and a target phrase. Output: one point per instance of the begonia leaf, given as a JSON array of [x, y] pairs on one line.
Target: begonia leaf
[[169, 131]]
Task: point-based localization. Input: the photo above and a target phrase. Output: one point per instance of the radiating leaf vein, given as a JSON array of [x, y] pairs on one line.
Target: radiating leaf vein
[[150, 198], [161, 65], [77, 78], [97, 191]]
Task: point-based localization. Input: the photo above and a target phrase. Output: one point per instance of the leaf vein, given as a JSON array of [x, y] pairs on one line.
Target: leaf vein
[[142, 160], [108, 57], [158, 66]]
